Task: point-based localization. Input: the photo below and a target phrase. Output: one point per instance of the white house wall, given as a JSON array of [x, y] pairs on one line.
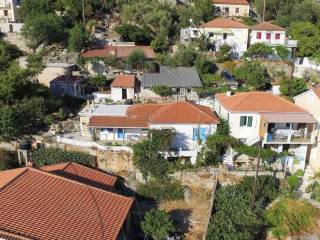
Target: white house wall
[[116, 93], [271, 41], [237, 38], [243, 9]]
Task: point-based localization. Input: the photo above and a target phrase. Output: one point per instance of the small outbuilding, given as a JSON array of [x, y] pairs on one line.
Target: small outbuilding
[[125, 87]]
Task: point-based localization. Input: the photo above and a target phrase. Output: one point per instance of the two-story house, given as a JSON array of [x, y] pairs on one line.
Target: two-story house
[[9, 16], [310, 100], [277, 124], [191, 122], [231, 8], [271, 35], [220, 31]]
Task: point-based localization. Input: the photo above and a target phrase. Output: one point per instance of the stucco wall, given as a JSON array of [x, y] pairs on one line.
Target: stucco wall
[[311, 102], [253, 37], [237, 38], [243, 9], [116, 93]]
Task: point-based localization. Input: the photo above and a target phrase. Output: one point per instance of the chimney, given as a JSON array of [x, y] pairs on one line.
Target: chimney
[[229, 93]]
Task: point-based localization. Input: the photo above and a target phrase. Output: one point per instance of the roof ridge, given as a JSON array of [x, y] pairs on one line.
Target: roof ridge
[[14, 178], [171, 73], [195, 107], [73, 181]]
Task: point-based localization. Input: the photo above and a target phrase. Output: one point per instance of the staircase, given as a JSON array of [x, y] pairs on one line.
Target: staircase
[[306, 181], [228, 157]]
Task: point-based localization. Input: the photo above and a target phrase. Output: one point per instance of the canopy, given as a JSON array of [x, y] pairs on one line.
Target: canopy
[[288, 118]]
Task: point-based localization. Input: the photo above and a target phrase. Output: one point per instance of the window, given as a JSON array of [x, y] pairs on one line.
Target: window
[[246, 121], [268, 36], [210, 34], [259, 35], [225, 35], [277, 36], [237, 10], [199, 133], [6, 13], [120, 133]]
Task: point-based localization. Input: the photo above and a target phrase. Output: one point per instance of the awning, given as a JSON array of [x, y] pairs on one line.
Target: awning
[[288, 118]]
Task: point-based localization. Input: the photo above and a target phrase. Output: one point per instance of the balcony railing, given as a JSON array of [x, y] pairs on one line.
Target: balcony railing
[[288, 136]]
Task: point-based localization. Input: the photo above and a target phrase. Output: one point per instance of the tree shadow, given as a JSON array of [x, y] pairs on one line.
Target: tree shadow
[[181, 219]]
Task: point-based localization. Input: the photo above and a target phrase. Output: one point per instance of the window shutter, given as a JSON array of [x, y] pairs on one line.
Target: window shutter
[[203, 134], [195, 134], [249, 121], [243, 120]]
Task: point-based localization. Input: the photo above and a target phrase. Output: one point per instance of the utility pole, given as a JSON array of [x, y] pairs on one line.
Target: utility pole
[[83, 17], [254, 193], [264, 10]]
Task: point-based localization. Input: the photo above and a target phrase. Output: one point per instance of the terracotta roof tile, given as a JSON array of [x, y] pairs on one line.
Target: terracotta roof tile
[[124, 80], [267, 26], [41, 205], [223, 23], [119, 51], [142, 115], [257, 102], [233, 2], [83, 174]]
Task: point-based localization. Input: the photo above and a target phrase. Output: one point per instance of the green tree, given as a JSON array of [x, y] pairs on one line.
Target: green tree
[[160, 43], [43, 29], [132, 33], [8, 53], [211, 80], [162, 90], [185, 56], [157, 224], [308, 36], [253, 74], [136, 58], [78, 38], [35, 63], [282, 52], [224, 53], [223, 128], [99, 81], [35, 7], [10, 126], [292, 87], [258, 50]]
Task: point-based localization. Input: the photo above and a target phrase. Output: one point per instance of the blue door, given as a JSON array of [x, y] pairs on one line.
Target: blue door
[[120, 133]]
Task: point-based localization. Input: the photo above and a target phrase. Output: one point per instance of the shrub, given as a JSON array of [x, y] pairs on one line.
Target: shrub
[[162, 90], [136, 58], [161, 190], [49, 156], [314, 189], [132, 33], [258, 50], [292, 87], [157, 224], [291, 216], [7, 160], [293, 182]]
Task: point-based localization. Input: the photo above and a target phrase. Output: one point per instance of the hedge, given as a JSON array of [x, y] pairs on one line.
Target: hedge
[[49, 156]]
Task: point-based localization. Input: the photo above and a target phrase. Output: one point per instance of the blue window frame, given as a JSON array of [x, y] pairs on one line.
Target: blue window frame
[[201, 131], [120, 133]]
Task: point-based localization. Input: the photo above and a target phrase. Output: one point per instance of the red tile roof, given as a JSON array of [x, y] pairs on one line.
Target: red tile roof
[[142, 115], [223, 23], [40, 205], [124, 80], [119, 51], [257, 102], [83, 174], [267, 27], [233, 2], [316, 90]]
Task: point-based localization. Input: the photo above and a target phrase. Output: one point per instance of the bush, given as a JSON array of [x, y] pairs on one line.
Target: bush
[[161, 190], [163, 91], [136, 58], [132, 33], [258, 50], [291, 216], [293, 182], [49, 156], [292, 87], [157, 224]]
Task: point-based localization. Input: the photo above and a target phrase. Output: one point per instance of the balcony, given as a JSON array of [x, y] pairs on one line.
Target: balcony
[[289, 133]]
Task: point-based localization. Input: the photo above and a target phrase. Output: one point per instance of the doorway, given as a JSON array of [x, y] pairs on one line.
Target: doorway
[[124, 93]]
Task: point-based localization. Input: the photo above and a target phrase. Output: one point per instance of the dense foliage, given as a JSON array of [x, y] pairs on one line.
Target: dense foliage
[[157, 224], [162, 90], [292, 87], [8, 160], [49, 156], [233, 217]]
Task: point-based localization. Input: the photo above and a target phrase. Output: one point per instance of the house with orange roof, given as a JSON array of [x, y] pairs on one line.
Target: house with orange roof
[[124, 87], [272, 35], [274, 122], [231, 8], [220, 31], [310, 100], [191, 122], [49, 203]]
